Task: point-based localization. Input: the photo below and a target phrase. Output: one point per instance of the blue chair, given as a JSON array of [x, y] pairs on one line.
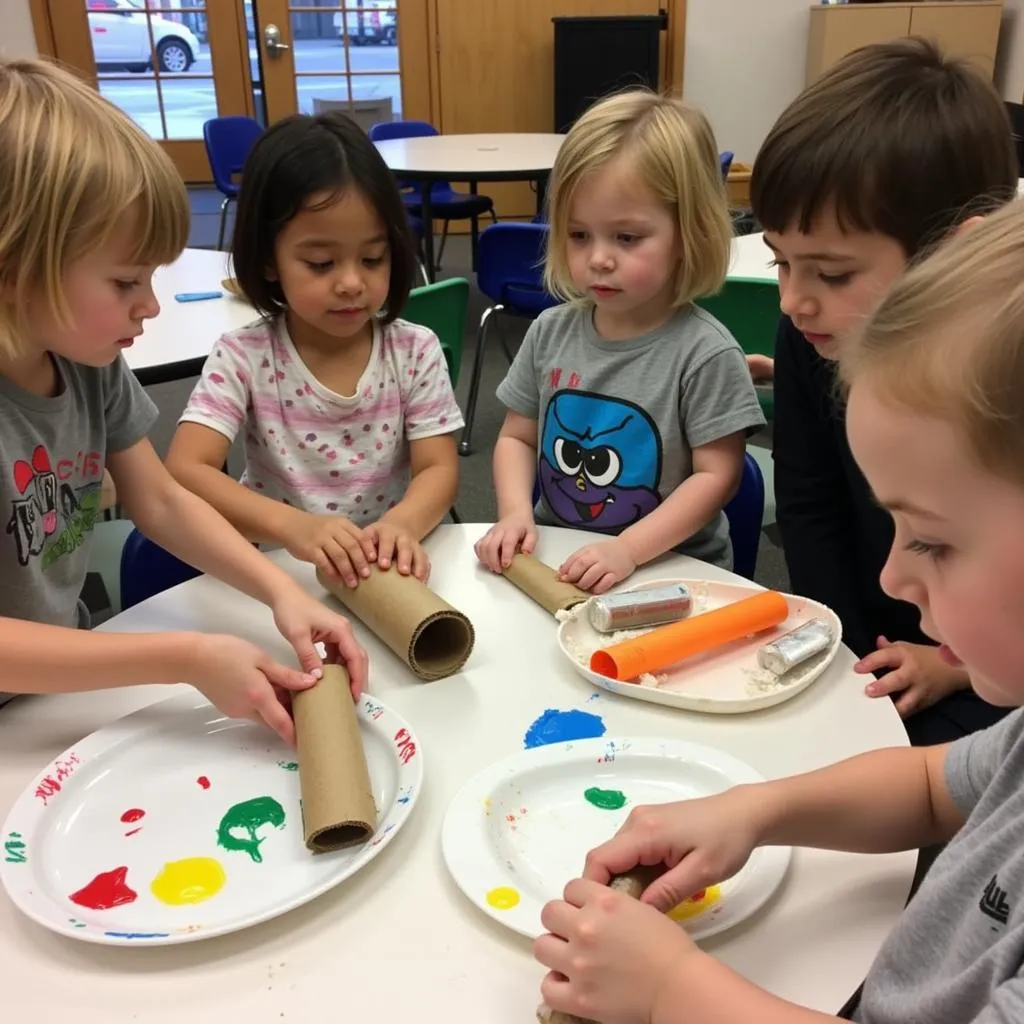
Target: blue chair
[[445, 203], [229, 141], [725, 162], [510, 273], [745, 514], [147, 569]]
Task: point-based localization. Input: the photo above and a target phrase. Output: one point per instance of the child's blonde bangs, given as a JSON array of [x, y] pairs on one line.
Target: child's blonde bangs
[[71, 167], [674, 153]]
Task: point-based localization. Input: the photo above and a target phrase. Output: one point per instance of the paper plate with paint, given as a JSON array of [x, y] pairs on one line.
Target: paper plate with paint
[[176, 824], [726, 680], [518, 831]]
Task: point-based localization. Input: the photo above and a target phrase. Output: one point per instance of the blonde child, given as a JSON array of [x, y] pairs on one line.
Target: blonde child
[[936, 393], [89, 207], [339, 401], [629, 405]]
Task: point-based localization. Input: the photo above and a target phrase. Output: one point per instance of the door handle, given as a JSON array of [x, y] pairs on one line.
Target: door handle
[[272, 41]]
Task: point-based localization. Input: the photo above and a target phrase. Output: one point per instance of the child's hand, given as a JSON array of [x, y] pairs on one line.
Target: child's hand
[[609, 956], [507, 536], [915, 669], [334, 545], [245, 682], [762, 368], [598, 567], [396, 544], [304, 621]]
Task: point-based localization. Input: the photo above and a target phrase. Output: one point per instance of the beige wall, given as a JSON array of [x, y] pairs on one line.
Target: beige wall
[[16, 38]]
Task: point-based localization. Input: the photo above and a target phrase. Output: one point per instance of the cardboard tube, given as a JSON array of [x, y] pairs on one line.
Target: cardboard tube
[[672, 643], [337, 797], [632, 883], [539, 581], [428, 634]]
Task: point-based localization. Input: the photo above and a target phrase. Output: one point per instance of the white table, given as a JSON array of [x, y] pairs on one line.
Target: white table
[[751, 260], [176, 342], [399, 941], [508, 156]]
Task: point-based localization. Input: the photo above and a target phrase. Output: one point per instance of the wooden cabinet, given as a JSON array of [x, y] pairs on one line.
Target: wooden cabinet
[[963, 28]]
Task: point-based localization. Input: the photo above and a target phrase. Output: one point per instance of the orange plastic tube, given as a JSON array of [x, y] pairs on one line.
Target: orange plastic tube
[[672, 643]]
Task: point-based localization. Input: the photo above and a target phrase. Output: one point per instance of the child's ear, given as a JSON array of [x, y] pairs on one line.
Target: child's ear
[[966, 225]]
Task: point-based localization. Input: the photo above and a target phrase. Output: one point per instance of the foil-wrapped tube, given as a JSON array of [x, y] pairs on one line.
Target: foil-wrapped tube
[[795, 647], [633, 609]]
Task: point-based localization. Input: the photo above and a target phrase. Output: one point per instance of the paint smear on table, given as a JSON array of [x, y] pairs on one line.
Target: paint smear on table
[[135, 814], [696, 904], [188, 881], [203, 782], [137, 935], [605, 799], [562, 726], [503, 898], [288, 766], [238, 828], [108, 889]]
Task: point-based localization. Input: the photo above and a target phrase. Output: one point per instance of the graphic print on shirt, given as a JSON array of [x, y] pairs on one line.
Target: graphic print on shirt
[[46, 504], [993, 902], [600, 461]]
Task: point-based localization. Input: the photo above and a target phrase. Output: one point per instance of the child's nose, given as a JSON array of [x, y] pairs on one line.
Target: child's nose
[[898, 579], [794, 301]]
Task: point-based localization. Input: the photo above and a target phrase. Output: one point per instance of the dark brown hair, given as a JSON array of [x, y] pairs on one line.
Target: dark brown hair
[[896, 139], [299, 157]]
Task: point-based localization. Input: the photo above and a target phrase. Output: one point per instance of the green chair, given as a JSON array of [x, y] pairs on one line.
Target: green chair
[[442, 307], [749, 310]]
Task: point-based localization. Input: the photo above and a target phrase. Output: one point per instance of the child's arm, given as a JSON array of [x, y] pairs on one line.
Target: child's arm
[[515, 470]]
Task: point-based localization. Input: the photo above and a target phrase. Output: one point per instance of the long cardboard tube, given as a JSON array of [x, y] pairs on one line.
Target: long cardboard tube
[[672, 643], [541, 582], [632, 883], [428, 634], [337, 796]]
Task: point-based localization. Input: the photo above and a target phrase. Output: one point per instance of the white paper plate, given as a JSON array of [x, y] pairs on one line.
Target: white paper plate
[[185, 765], [520, 830], [726, 680]]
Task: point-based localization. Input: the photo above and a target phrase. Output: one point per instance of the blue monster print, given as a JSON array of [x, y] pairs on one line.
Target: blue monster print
[[600, 461]]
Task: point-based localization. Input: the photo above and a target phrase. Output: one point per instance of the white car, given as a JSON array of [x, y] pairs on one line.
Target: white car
[[120, 38], [370, 24]]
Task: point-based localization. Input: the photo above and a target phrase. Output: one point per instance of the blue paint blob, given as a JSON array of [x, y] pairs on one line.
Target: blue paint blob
[[137, 935], [561, 726]]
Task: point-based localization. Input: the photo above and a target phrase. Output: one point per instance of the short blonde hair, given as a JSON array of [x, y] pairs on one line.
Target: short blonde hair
[[674, 152], [71, 164], [948, 341]]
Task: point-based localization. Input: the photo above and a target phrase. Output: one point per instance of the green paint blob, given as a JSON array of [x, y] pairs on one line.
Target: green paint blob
[[606, 799], [288, 766], [248, 817]]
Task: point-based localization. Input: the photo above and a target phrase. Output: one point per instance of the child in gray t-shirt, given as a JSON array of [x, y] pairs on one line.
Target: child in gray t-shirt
[[628, 405]]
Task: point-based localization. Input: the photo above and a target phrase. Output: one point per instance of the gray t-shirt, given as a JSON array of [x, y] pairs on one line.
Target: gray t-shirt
[[957, 954], [618, 421], [52, 454]]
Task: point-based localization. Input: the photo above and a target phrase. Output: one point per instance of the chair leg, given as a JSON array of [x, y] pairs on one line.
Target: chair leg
[[223, 221], [474, 238], [440, 252], [474, 385], [509, 354], [454, 516], [423, 272], [494, 216]]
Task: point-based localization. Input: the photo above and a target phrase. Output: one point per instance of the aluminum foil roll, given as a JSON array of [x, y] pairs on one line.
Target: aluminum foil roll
[[634, 609], [795, 647]]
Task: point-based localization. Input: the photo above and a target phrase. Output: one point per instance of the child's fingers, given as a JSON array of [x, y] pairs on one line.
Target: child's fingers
[[353, 548], [403, 554], [604, 584], [591, 575], [507, 547], [887, 658], [420, 564], [893, 682], [912, 700], [529, 544], [340, 563]]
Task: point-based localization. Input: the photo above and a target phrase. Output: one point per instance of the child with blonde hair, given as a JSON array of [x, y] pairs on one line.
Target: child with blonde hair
[[935, 418], [629, 405], [89, 207]]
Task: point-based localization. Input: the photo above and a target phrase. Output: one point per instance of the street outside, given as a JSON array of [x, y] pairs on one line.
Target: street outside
[[189, 102]]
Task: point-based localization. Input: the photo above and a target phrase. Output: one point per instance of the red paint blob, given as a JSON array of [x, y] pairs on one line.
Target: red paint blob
[[133, 831], [133, 815], [203, 781], [106, 890]]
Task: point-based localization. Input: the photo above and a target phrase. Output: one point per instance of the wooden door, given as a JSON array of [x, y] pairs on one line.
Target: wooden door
[[961, 30]]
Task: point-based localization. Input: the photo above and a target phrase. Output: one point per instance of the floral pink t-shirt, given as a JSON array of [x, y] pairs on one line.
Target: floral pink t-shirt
[[307, 446]]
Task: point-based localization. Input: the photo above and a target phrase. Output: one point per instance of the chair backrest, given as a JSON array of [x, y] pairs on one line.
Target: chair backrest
[[229, 140], [510, 267], [383, 131], [725, 162], [749, 311], [442, 307], [745, 514], [147, 569]]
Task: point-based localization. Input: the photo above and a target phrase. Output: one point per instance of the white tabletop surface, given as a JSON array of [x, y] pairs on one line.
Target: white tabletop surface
[[472, 155], [184, 331], [399, 941], [751, 260]]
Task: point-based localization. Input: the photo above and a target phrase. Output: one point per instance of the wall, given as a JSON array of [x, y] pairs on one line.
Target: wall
[[18, 39]]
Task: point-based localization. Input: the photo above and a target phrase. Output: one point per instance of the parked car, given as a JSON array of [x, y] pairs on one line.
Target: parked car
[[120, 38], [370, 25]]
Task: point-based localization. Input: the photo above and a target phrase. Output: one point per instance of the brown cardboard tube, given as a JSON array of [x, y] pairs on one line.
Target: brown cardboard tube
[[539, 581], [427, 633], [632, 883], [337, 797]]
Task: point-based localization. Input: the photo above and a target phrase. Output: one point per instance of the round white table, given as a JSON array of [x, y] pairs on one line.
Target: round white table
[[508, 156], [751, 260], [176, 342], [398, 940]]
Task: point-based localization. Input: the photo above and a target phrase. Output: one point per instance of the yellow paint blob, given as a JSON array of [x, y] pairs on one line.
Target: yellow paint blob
[[696, 905], [188, 881], [503, 898]]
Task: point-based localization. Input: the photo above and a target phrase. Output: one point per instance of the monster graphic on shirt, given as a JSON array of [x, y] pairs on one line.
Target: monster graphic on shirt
[[600, 461]]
